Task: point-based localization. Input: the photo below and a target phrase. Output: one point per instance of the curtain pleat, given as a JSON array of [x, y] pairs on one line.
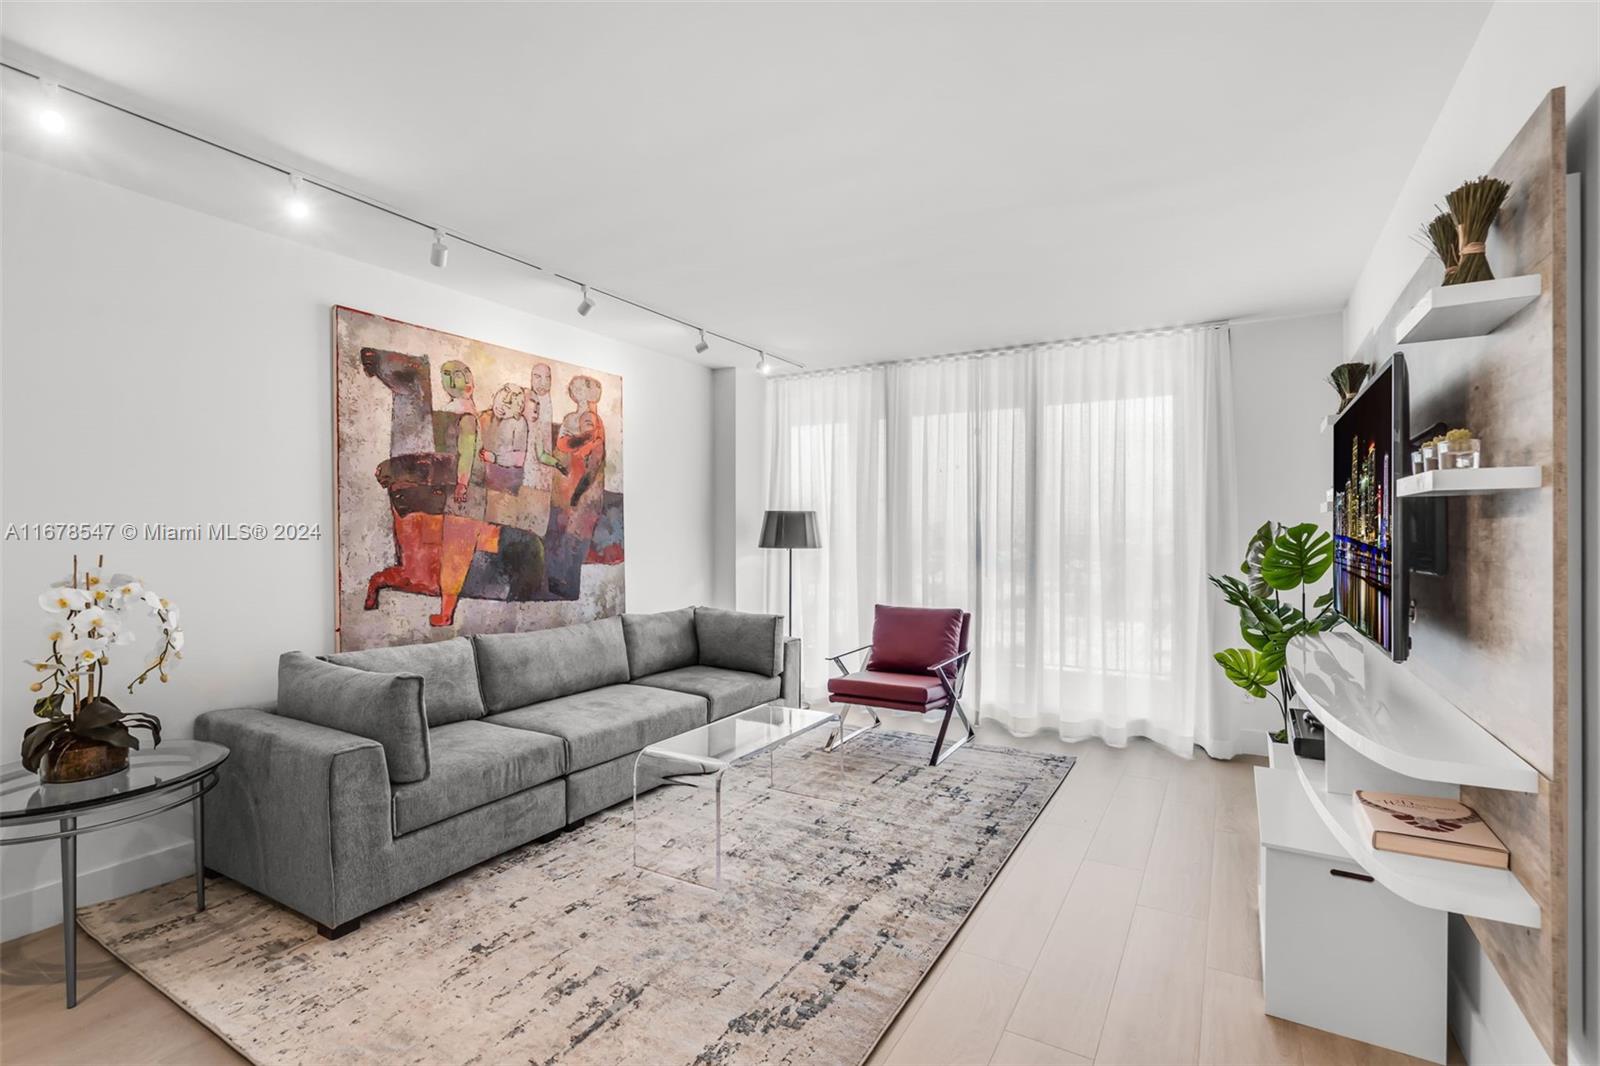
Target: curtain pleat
[[1073, 496]]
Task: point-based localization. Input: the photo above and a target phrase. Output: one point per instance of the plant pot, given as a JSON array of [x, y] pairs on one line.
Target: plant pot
[[81, 760], [1279, 754]]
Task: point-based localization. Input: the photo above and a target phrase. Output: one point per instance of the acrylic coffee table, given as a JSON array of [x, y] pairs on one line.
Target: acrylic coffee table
[[700, 758], [178, 772]]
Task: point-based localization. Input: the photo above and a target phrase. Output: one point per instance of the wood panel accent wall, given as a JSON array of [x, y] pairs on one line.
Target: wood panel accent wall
[[1492, 634]]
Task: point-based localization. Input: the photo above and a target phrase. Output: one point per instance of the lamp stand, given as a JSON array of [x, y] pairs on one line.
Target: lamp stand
[[788, 631]]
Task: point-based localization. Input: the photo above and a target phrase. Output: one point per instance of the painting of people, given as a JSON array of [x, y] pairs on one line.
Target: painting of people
[[479, 488]]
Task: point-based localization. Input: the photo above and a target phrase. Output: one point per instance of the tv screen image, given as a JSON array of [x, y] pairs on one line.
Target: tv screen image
[[1369, 448]]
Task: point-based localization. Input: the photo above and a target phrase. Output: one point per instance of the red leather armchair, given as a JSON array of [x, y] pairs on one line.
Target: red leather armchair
[[917, 663]]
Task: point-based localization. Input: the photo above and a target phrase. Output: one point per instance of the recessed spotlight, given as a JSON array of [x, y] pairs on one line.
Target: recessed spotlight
[[439, 254], [585, 305], [701, 346], [297, 205], [51, 120]]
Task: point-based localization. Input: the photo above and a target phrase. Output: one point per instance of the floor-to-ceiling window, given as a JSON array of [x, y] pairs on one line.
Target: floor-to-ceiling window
[[1072, 495]]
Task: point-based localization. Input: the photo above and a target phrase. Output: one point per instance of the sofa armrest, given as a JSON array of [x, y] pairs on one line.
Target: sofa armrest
[[296, 805], [789, 693]]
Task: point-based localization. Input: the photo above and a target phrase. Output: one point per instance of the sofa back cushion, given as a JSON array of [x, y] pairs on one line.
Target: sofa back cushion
[[386, 708], [448, 671], [660, 642], [516, 669], [736, 640], [912, 640]]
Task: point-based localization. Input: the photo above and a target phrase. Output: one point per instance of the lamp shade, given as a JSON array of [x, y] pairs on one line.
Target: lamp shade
[[790, 529]]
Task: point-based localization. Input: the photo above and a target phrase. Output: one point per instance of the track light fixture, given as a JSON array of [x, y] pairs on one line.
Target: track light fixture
[[51, 120], [297, 205], [56, 121]]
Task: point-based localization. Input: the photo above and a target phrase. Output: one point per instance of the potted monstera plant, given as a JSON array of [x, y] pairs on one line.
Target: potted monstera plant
[[84, 734], [1278, 563]]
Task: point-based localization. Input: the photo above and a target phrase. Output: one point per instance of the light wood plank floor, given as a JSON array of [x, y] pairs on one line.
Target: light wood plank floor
[[1123, 930]]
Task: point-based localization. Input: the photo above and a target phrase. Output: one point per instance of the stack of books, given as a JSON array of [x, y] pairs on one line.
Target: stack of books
[[1428, 826]]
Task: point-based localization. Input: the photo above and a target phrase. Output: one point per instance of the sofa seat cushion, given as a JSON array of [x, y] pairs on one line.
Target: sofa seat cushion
[[910, 690], [606, 723], [474, 763], [725, 691], [448, 670]]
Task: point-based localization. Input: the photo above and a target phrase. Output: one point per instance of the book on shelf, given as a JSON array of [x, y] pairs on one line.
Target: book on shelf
[[1430, 827]]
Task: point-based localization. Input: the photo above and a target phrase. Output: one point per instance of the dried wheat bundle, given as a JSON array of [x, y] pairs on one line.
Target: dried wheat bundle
[[1440, 238], [1475, 206]]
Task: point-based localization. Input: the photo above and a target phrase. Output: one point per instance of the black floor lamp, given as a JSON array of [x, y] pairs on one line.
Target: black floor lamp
[[790, 530]]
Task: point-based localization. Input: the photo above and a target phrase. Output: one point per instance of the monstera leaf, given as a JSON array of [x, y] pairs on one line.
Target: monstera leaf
[[1260, 541], [1300, 555], [1247, 669]]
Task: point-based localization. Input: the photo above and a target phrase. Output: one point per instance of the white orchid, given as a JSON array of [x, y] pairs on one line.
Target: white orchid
[[93, 621], [58, 630], [83, 653], [175, 638], [126, 589], [60, 600]]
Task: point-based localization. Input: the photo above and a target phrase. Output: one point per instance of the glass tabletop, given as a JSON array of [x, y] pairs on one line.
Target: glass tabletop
[[152, 770], [732, 738]]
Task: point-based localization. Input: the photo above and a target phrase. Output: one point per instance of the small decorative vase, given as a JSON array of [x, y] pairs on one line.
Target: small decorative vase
[[81, 760], [1459, 454]]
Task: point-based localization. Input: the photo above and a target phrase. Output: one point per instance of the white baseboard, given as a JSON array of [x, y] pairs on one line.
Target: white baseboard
[[31, 909]]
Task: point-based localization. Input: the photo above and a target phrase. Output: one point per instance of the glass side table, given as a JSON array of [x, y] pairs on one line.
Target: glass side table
[[160, 779]]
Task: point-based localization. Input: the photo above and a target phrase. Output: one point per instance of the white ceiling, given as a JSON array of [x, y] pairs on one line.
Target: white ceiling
[[839, 183]]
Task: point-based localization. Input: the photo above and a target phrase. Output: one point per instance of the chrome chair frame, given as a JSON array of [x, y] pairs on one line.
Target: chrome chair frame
[[952, 690]]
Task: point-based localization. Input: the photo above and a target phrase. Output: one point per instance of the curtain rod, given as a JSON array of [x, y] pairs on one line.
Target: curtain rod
[[983, 353], [393, 212]]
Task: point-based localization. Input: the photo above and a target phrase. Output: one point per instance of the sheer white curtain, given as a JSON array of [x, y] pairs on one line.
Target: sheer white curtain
[[1073, 496]]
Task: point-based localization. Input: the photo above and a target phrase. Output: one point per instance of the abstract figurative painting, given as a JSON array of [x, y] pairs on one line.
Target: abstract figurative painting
[[479, 489]]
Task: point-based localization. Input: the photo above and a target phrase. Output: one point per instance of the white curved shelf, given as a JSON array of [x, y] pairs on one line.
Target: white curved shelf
[[1434, 883], [1384, 713]]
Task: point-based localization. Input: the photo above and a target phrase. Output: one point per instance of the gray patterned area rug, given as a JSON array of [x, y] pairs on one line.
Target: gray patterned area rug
[[844, 878]]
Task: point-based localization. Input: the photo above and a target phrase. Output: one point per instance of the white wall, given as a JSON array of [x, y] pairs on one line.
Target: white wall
[[740, 474], [164, 365], [1280, 393], [1523, 51]]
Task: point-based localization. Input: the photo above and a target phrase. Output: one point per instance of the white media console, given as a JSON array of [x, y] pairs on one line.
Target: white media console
[[1354, 940]]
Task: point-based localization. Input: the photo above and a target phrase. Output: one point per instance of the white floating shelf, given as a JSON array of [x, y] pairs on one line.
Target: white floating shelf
[[1471, 482], [1383, 712], [1476, 309], [1475, 891]]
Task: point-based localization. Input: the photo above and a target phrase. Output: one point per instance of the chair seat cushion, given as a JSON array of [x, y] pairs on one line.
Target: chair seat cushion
[[726, 691], [474, 763], [607, 723], [912, 690]]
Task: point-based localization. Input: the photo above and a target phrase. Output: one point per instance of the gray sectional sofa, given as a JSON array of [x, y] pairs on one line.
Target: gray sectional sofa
[[379, 772]]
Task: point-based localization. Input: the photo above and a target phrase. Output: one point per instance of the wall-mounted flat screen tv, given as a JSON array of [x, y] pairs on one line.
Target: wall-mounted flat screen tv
[[1370, 449]]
